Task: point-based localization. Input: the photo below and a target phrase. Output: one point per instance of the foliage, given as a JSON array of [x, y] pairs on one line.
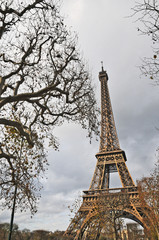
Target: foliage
[[108, 212], [43, 78], [4, 230], [30, 235], [43, 82], [104, 221], [147, 13], [149, 197], [26, 234], [22, 169]]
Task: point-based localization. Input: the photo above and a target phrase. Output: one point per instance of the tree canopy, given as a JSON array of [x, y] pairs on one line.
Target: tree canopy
[[147, 14], [43, 78], [43, 82], [149, 197]]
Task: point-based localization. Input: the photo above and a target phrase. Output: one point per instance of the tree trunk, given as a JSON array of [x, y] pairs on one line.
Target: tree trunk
[[12, 215]]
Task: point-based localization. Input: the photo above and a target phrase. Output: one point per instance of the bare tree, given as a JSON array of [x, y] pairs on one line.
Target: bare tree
[[20, 174], [108, 218], [106, 221], [147, 13], [43, 82], [43, 79], [149, 197], [22, 170]]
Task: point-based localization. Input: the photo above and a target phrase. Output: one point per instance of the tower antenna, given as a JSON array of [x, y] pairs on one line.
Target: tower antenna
[[102, 66]]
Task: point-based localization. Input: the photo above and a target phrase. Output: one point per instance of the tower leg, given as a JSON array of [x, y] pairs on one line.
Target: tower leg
[[108, 177]]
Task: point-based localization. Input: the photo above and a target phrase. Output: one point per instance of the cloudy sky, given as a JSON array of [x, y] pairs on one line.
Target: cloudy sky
[[107, 34]]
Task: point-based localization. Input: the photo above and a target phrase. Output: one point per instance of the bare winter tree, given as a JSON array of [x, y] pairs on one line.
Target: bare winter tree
[[43, 82], [107, 222], [21, 171], [149, 197], [20, 174], [147, 13], [43, 79]]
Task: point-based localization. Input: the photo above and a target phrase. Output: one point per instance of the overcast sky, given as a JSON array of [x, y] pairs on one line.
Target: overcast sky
[[107, 34]]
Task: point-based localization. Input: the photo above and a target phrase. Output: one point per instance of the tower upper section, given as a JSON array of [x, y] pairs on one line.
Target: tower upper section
[[108, 140]]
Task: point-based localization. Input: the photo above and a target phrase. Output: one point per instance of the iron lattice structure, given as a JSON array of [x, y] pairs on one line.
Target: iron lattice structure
[[110, 158]]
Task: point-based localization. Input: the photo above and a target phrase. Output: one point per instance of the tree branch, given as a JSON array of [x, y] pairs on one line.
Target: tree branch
[[22, 129], [26, 96]]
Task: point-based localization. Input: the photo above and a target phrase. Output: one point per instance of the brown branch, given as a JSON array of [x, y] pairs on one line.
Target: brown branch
[[11, 10], [26, 96], [2, 82], [7, 156], [20, 127], [22, 63], [5, 25]]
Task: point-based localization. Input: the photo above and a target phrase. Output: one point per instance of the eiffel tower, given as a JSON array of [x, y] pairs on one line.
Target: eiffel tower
[[110, 159]]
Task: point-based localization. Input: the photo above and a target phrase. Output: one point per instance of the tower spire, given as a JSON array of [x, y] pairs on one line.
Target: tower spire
[[108, 140], [102, 66]]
